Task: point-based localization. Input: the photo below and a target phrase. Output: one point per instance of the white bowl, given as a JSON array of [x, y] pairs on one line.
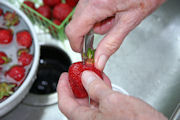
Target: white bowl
[[20, 93]]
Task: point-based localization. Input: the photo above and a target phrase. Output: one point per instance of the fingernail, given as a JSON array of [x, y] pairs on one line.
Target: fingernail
[[102, 61], [88, 77]]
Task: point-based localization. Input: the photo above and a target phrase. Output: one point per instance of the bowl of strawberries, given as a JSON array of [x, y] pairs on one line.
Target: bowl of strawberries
[[19, 56]]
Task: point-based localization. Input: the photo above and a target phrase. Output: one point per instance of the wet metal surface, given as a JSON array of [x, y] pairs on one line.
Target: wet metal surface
[[147, 65]]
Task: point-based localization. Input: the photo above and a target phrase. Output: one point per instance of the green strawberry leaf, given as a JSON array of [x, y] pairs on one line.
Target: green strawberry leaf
[[6, 89], [6, 59]]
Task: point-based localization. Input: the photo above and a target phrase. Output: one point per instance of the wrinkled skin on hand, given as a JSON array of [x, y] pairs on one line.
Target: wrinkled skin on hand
[[116, 18], [107, 104]]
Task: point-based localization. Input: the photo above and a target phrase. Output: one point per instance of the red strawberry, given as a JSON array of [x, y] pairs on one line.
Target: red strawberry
[[30, 4], [75, 72], [11, 19], [51, 3], [1, 11], [24, 38], [61, 11], [45, 11], [3, 58], [72, 3], [25, 58], [52, 28], [6, 36], [16, 72], [56, 21]]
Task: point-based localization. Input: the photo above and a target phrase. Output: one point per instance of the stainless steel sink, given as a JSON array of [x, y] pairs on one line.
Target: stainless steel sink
[[147, 64]]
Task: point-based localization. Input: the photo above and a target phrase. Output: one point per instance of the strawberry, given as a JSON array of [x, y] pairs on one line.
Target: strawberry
[[24, 58], [24, 38], [75, 72], [1, 11], [52, 28], [3, 58], [6, 36], [61, 11], [30, 4], [56, 21], [72, 3], [51, 3], [6, 89], [16, 72], [11, 19], [22, 50], [45, 11]]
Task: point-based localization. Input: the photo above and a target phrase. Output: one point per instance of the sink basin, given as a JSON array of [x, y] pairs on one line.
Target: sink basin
[[147, 65]]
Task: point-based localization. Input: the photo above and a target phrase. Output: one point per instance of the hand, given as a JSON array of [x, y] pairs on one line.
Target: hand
[[114, 17], [110, 105]]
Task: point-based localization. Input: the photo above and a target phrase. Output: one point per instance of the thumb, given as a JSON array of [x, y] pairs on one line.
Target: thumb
[[95, 86]]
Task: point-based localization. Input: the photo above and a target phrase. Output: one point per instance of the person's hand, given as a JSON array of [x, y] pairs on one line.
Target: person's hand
[[114, 17], [110, 105]]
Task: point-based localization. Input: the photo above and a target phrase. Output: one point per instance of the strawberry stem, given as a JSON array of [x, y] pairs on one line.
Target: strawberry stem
[[22, 50], [6, 59], [90, 56]]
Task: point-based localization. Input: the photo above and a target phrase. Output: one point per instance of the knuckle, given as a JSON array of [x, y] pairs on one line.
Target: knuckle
[[94, 87], [113, 98], [99, 2], [111, 47]]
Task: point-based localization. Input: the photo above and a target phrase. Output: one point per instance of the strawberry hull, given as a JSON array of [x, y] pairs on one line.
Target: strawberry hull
[[75, 73]]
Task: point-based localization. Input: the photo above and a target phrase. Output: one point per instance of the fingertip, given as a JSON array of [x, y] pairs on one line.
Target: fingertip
[[63, 77], [94, 85], [100, 61], [74, 40], [87, 78]]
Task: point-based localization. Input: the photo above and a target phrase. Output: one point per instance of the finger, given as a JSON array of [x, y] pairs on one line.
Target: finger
[[104, 26], [66, 100], [94, 85], [107, 80], [83, 21], [108, 83], [68, 104], [124, 23]]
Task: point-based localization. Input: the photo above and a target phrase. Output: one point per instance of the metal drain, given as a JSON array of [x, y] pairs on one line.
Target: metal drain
[[53, 62]]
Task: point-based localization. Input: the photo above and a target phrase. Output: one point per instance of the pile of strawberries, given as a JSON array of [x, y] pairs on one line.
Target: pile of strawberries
[[54, 10], [22, 39]]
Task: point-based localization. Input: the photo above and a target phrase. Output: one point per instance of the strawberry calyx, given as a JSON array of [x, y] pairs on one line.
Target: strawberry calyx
[[22, 51], [11, 19], [6, 89], [89, 57], [6, 59]]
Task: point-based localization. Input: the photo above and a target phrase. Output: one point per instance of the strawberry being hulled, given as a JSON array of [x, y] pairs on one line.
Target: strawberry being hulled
[[75, 72], [11, 19], [6, 36], [24, 39], [3, 58]]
